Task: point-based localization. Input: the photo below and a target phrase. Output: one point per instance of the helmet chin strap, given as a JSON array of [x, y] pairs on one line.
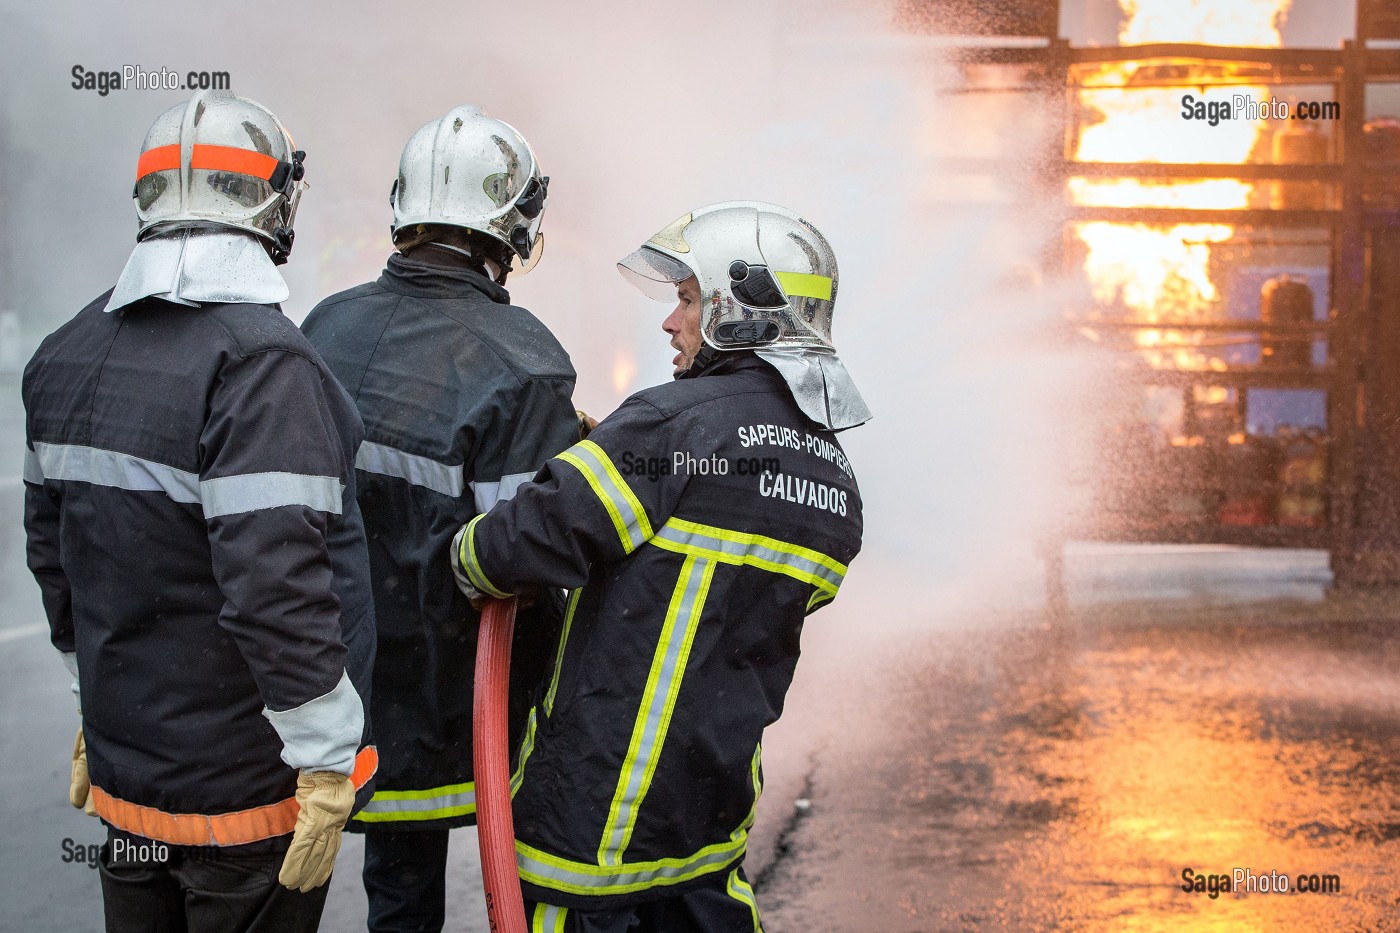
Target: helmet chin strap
[[703, 360]]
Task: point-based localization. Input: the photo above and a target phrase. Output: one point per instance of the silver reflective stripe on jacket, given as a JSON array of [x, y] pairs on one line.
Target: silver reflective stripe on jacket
[[422, 471], [658, 704], [118, 470], [488, 494], [33, 470], [249, 492], [223, 495], [433, 803], [545, 870], [768, 553]]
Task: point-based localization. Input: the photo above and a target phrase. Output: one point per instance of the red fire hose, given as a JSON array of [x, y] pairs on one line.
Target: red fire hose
[[495, 829]]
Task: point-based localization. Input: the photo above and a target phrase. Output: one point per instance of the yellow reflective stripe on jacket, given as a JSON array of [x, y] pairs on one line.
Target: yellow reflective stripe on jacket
[[466, 556], [628, 516], [548, 918], [668, 665], [559, 655], [741, 548], [755, 775], [527, 746], [739, 889], [433, 803], [558, 874]]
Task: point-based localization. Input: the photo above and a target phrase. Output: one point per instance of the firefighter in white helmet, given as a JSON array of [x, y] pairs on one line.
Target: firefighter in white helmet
[[697, 526], [464, 396], [192, 523]]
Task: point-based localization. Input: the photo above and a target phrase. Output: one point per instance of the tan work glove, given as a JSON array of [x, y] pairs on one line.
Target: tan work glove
[[79, 786], [585, 424], [325, 799]]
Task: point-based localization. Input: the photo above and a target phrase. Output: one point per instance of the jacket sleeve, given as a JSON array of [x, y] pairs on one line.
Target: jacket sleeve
[[596, 502], [534, 424], [41, 522], [272, 473]]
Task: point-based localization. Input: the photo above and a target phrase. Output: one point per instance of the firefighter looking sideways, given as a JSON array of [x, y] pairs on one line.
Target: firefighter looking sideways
[[464, 397], [192, 523], [640, 769]]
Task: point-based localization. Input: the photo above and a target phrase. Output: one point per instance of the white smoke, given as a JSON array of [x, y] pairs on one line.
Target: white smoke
[[638, 113]]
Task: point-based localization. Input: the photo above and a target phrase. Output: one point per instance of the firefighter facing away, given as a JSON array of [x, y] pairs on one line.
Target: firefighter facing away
[[640, 769], [192, 523], [464, 396]]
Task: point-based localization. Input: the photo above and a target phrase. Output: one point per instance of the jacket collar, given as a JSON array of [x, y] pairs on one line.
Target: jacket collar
[[720, 364], [420, 278]]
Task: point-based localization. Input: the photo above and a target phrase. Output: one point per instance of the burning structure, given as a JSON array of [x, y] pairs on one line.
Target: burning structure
[[1232, 209]]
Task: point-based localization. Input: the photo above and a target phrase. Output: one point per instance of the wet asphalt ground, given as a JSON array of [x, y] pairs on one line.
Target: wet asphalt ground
[[1204, 709], [1064, 779]]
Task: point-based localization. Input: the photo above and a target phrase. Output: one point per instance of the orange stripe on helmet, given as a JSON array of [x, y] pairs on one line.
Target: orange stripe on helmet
[[157, 160], [210, 158], [221, 829]]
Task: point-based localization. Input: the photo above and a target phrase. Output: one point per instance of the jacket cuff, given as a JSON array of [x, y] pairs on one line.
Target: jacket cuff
[[70, 661], [322, 734]]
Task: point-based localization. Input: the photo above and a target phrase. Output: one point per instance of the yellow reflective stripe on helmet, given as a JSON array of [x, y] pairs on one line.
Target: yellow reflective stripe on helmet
[[741, 548], [559, 655], [739, 889], [550, 871], [628, 516], [804, 285], [548, 918], [466, 556], [658, 703], [433, 803]]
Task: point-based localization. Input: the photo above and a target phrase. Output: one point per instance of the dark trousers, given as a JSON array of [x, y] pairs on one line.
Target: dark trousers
[[724, 906], [406, 880], [179, 889]]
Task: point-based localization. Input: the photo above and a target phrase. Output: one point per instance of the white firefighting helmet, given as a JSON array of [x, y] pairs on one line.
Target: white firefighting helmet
[[767, 277], [470, 170], [767, 280], [222, 161]]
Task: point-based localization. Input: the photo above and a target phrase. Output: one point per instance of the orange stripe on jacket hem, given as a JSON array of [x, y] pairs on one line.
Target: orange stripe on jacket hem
[[212, 158], [221, 829]]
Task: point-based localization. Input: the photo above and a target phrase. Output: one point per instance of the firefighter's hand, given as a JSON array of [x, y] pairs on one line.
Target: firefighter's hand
[[325, 799], [79, 787], [464, 583], [585, 424]]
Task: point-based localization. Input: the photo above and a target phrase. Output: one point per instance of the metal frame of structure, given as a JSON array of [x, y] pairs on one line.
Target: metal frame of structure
[[1348, 226]]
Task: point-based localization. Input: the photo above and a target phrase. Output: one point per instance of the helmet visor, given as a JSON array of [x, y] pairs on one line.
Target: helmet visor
[[653, 273], [534, 258]]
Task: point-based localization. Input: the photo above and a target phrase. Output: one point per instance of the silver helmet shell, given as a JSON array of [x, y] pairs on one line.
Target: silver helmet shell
[[470, 170], [767, 277], [222, 160]]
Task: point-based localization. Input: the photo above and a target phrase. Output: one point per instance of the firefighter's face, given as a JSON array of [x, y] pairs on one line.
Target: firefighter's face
[[683, 324]]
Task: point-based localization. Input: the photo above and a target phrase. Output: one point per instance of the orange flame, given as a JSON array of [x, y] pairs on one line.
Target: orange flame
[[1162, 273]]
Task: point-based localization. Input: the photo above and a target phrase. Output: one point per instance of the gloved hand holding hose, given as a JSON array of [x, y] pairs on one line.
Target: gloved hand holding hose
[[325, 799]]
